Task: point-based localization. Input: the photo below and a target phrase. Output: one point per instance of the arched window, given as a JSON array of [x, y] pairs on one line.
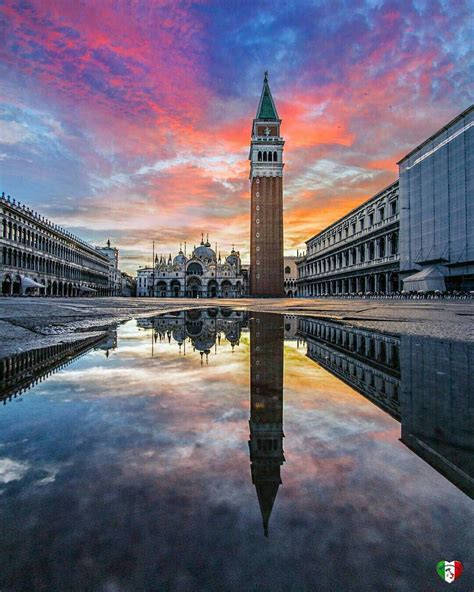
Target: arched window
[[264, 157], [259, 156], [371, 250], [270, 157], [382, 247], [287, 269], [275, 156], [394, 242]]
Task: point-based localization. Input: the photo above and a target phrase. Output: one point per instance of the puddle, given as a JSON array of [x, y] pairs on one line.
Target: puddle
[[229, 450]]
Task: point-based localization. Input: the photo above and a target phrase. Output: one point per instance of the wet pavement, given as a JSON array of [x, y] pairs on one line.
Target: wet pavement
[[219, 449], [26, 323]]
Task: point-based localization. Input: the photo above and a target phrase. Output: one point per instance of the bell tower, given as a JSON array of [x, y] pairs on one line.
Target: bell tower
[[266, 216]]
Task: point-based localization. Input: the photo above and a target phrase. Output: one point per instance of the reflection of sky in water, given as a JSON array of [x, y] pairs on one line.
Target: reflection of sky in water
[[132, 473]]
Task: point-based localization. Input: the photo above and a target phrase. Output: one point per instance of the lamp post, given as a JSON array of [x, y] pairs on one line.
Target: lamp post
[[217, 274], [153, 271], [185, 271]]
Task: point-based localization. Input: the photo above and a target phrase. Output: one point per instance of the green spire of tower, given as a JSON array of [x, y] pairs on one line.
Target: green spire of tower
[[266, 107]]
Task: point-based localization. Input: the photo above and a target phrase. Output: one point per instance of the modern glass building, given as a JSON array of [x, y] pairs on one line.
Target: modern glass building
[[437, 209]]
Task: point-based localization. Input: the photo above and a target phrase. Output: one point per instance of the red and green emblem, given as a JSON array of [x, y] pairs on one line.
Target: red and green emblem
[[449, 570]]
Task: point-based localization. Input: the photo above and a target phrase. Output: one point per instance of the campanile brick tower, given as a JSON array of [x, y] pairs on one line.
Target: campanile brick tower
[[266, 217]]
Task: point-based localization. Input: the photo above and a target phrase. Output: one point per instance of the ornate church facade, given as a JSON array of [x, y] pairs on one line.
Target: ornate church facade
[[205, 274]]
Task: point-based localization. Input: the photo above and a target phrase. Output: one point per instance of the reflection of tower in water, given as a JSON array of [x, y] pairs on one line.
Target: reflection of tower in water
[[266, 408]]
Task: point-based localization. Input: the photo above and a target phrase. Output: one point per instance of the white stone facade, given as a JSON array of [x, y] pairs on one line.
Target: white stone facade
[[290, 276], [202, 275], [115, 275], [38, 257], [358, 254], [128, 285]]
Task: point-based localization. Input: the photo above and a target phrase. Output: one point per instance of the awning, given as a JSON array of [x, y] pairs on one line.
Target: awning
[[27, 282], [429, 279], [86, 289]]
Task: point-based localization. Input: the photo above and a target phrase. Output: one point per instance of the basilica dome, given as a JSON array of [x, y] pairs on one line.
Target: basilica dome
[[204, 251], [179, 335], [205, 342], [233, 258], [180, 259]]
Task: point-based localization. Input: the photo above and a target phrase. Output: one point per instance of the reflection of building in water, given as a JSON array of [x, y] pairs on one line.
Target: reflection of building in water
[[109, 342], [204, 329], [423, 383], [367, 361], [266, 408], [20, 372], [438, 406], [291, 327]]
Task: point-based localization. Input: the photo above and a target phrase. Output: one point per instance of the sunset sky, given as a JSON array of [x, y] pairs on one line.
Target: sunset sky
[[131, 120]]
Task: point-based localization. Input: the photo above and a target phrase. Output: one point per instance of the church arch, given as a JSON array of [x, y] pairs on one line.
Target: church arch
[[226, 289], [194, 268], [175, 288], [212, 289], [194, 287], [193, 315], [161, 289]]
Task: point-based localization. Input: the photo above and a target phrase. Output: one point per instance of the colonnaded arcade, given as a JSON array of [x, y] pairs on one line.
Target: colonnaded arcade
[[358, 253], [39, 256]]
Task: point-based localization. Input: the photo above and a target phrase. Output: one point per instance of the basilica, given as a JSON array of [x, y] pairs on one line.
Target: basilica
[[205, 274]]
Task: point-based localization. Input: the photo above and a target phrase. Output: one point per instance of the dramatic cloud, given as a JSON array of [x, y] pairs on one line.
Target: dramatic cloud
[[132, 120], [11, 470]]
